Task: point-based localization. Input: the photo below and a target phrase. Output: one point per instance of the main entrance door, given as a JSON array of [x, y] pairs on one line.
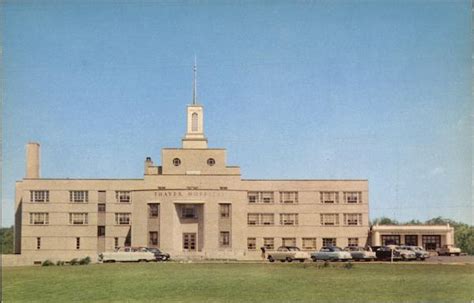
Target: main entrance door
[[189, 241]]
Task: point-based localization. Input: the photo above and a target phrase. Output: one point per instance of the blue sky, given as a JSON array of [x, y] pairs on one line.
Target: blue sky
[[377, 90]]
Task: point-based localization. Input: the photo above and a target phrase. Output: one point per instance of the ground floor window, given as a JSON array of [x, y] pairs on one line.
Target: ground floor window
[[224, 239], [78, 243], [329, 242], [251, 243], [100, 231], [38, 243], [353, 242], [288, 241], [411, 240], [431, 242], [269, 243], [189, 241], [116, 242], [153, 238], [309, 243], [391, 239]]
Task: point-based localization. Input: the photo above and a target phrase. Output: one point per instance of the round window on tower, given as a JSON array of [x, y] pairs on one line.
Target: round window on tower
[[176, 162], [211, 162]]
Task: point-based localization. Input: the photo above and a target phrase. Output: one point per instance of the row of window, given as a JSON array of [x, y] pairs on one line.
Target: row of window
[[307, 243], [101, 229], [77, 218], [77, 244], [292, 219], [210, 161], [291, 197], [79, 196], [265, 197]]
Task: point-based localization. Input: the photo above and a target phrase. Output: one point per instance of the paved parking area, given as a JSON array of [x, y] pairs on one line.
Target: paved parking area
[[449, 260]]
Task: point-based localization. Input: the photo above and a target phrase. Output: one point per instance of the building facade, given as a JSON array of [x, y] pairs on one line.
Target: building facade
[[192, 205]]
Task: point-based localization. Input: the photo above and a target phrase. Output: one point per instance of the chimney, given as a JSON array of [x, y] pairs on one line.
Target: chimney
[[32, 160], [148, 165]]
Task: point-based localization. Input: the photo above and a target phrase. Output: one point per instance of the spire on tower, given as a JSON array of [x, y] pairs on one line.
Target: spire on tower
[[194, 81]]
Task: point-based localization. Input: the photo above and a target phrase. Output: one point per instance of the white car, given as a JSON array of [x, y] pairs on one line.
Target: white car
[[359, 253], [127, 254], [331, 253], [287, 253], [449, 250]]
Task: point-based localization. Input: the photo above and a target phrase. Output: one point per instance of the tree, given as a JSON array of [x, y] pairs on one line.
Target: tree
[[385, 221], [6, 238]]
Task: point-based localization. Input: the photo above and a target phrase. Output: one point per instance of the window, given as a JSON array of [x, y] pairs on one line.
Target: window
[[176, 162], [153, 238], [188, 212], [122, 218], [411, 240], [224, 239], [329, 219], [39, 196], [78, 218], [153, 210], [102, 196], [390, 240], [268, 243], [78, 243], [261, 219], [288, 241], [116, 242], [224, 210], [267, 219], [39, 218], [79, 196], [352, 219], [353, 197], [330, 197], [289, 197], [329, 242], [122, 196], [101, 207], [189, 241], [309, 243], [194, 122], [431, 242], [288, 219], [38, 243], [260, 197], [100, 231], [251, 243], [211, 162], [352, 242]]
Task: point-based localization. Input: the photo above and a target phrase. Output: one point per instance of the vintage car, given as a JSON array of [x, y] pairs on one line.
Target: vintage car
[[159, 255], [331, 253], [127, 254], [449, 250], [420, 253], [287, 253], [394, 252], [359, 253]]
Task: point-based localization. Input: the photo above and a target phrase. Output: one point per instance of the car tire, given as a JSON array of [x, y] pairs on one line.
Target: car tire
[[164, 258], [289, 260], [314, 259], [270, 258]]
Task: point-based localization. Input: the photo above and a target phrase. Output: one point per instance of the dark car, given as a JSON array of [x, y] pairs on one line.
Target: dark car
[[159, 255], [384, 253]]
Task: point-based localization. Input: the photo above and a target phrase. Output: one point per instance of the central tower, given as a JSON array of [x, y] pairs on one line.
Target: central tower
[[194, 137]]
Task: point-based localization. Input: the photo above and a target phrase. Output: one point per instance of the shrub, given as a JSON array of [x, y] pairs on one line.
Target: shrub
[[85, 261], [60, 263], [326, 264], [348, 265], [47, 263], [74, 261]]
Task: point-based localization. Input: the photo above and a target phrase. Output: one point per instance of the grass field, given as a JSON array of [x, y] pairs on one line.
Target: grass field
[[175, 282]]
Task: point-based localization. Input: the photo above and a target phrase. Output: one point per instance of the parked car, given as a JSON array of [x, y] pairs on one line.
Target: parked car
[[331, 253], [449, 250], [360, 253], [127, 254], [420, 253], [385, 253], [159, 255], [287, 253]]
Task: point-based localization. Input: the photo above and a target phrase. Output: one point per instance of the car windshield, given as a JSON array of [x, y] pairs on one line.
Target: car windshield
[[334, 248], [293, 249]]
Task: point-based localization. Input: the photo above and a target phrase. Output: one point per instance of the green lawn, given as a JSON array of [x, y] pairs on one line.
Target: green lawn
[[175, 282]]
